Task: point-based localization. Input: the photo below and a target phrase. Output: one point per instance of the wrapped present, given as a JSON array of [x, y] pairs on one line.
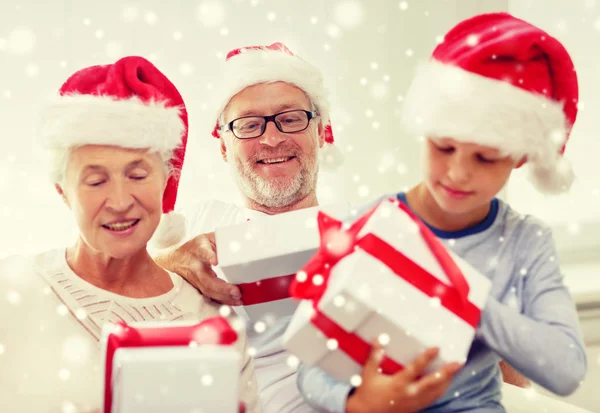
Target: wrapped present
[[262, 257], [384, 277], [176, 368]]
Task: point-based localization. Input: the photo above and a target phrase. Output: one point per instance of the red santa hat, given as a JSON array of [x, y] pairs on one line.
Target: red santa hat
[[130, 104], [248, 66], [499, 81]]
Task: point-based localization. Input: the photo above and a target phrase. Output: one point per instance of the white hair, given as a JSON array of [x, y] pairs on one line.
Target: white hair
[[59, 160]]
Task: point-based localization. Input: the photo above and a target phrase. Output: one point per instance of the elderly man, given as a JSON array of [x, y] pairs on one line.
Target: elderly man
[[273, 122]]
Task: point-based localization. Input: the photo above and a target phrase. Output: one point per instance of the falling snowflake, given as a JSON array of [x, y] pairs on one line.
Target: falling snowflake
[[339, 301], [32, 70], [271, 16], [99, 34], [355, 380], [68, 407], [384, 339], [439, 39], [87, 21], [363, 191], [2, 349], [332, 344], [234, 246], [333, 31], [177, 35], [211, 13], [573, 228], [472, 40], [260, 327], [129, 13], [314, 20], [76, 349], [379, 90], [225, 311], [252, 351], [186, 69], [523, 272], [151, 18], [81, 313], [409, 52], [348, 14], [21, 41], [318, 279], [62, 310], [224, 31], [64, 374], [207, 380], [403, 5], [293, 362]]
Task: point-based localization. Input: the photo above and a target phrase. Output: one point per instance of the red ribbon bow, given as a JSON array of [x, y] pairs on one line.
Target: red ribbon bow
[[214, 330], [337, 243]]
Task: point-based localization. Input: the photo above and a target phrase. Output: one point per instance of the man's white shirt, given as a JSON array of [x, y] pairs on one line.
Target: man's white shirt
[[275, 370]]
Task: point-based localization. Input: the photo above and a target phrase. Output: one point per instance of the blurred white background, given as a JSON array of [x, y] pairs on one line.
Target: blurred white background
[[367, 49]]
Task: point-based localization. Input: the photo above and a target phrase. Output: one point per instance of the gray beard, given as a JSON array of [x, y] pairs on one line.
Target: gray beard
[[276, 193]]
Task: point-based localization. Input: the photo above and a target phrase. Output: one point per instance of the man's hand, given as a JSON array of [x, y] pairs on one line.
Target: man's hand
[[193, 261], [404, 392]]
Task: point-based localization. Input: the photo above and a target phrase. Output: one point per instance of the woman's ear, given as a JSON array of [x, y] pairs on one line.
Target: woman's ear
[[61, 192]]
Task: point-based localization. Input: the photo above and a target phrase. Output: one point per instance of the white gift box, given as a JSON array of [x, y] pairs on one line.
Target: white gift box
[[176, 367], [366, 298], [262, 256], [176, 380]]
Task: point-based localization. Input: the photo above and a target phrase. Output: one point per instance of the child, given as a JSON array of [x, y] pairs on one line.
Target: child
[[498, 93]]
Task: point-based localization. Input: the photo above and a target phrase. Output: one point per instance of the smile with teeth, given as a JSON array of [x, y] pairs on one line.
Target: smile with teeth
[[121, 226], [276, 160]]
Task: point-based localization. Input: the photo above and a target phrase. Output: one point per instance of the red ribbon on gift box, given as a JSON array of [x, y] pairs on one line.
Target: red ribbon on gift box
[[267, 290], [453, 297], [214, 330]]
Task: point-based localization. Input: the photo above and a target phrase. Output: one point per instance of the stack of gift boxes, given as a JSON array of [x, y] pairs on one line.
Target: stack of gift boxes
[[343, 280]]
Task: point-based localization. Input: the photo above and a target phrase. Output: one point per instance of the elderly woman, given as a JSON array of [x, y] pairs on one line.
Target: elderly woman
[[118, 135]]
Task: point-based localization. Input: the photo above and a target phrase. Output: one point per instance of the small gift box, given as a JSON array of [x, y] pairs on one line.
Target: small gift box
[[387, 277], [175, 368], [262, 257]]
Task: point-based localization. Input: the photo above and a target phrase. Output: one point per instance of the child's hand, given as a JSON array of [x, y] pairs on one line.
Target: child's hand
[[403, 392]]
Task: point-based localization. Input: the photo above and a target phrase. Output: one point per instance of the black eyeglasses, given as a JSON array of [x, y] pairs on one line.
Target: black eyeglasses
[[291, 121]]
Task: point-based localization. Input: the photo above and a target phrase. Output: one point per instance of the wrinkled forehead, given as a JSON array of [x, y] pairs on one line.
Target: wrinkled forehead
[[266, 99], [108, 157]]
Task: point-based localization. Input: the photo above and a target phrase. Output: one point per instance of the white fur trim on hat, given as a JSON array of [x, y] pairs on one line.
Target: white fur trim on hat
[[252, 67], [170, 231], [447, 101], [331, 157], [75, 120]]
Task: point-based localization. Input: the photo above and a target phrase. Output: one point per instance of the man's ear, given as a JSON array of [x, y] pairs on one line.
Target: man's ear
[[223, 149], [60, 192], [321, 133]]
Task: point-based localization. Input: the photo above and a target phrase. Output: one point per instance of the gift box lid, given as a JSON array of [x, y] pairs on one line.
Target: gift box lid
[[258, 243]]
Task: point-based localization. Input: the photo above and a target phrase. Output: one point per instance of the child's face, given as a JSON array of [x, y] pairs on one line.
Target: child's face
[[464, 176]]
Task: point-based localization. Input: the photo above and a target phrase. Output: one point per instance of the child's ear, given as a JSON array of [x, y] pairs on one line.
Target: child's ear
[[521, 162]]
